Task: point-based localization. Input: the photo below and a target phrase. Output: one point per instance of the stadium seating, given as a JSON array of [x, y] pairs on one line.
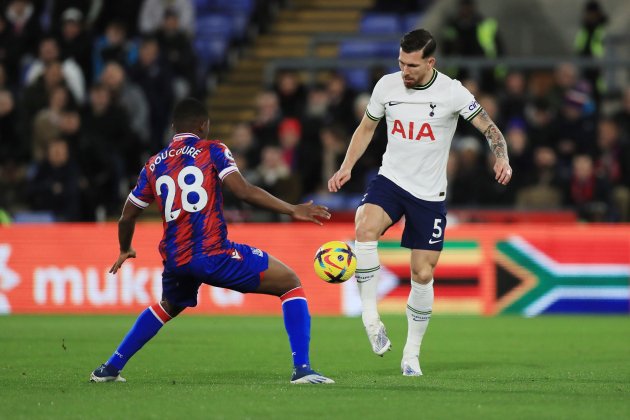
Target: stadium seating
[[389, 23], [368, 49], [211, 51], [234, 6], [357, 78], [380, 23], [209, 26], [411, 22]]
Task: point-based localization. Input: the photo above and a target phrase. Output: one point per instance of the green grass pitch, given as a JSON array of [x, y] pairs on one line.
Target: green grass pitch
[[239, 367]]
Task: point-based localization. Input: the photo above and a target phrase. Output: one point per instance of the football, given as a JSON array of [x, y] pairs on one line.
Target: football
[[335, 262]]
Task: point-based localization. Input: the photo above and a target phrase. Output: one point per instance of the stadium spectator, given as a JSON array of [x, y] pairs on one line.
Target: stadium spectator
[[274, 175], [513, 99], [622, 117], [24, 33], [315, 116], [125, 12], [466, 185], [544, 190], [334, 142], [114, 45], [70, 126], [152, 14], [72, 73], [7, 59], [289, 139], [75, 41], [177, 50], [469, 34], [129, 97], [612, 164], [90, 11], [573, 130], [243, 144], [46, 124], [565, 78], [54, 186], [291, 94], [589, 41], [155, 79], [13, 151], [109, 151], [539, 117], [268, 116], [589, 194], [8, 117], [340, 101], [36, 97]]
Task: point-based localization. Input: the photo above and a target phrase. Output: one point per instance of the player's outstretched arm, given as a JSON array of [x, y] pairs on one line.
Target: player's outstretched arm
[[256, 196], [126, 227], [502, 169], [360, 141]]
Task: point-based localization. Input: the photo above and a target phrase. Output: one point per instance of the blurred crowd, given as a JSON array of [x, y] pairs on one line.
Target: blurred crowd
[[86, 88]]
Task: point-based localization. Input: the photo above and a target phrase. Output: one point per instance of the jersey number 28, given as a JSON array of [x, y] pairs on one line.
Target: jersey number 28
[[186, 189]]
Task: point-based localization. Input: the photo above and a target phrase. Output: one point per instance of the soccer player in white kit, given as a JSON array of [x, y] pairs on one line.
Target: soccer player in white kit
[[421, 107]]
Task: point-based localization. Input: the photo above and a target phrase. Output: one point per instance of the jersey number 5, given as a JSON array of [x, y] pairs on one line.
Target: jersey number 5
[[186, 189]]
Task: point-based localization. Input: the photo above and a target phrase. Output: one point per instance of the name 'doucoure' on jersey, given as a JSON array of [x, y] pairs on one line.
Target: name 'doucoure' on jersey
[[185, 179]]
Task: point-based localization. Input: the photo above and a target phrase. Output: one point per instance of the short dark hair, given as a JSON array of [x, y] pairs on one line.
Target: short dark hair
[[418, 40], [189, 111]]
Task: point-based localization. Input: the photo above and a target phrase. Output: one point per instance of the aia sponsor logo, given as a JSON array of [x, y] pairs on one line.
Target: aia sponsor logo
[[413, 131]]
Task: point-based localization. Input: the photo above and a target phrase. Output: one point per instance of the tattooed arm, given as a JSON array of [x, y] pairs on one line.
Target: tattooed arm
[[502, 170]]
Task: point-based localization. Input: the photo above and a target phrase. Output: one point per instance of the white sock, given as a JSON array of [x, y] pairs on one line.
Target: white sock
[[368, 268], [419, 307]]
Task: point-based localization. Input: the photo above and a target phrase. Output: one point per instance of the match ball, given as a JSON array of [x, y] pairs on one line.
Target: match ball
[[335, 262]]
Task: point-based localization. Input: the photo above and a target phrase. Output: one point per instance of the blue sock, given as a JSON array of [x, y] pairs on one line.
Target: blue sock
[[297, 322], [147, 325]]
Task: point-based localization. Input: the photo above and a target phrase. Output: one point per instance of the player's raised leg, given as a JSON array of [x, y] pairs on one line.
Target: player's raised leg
[[144, 329], [279, 280], [419, 308], [370, 223]]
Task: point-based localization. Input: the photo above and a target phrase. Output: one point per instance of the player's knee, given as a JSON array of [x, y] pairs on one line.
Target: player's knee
[[422, 274], [292, 281], [171, 309], [366, 231]]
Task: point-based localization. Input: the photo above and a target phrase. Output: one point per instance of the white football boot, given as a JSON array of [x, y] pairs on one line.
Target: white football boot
[[410, 366], [378, 338]]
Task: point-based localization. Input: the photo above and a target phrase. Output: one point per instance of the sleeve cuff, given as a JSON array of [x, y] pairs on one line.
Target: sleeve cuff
[[372, 117], [225, 172], [137, 202], [474, 114]]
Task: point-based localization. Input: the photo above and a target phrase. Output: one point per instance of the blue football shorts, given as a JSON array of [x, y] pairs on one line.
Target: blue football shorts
[[239, 269], [425, 221]]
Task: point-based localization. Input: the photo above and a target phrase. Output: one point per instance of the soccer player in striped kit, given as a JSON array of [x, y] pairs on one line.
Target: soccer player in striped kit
[[186, 179], [421, 107]]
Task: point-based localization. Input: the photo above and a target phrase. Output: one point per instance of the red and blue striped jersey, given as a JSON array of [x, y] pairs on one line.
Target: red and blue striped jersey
[[185, 179]]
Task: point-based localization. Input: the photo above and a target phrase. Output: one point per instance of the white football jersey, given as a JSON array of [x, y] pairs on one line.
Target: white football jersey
[[421, 122]]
